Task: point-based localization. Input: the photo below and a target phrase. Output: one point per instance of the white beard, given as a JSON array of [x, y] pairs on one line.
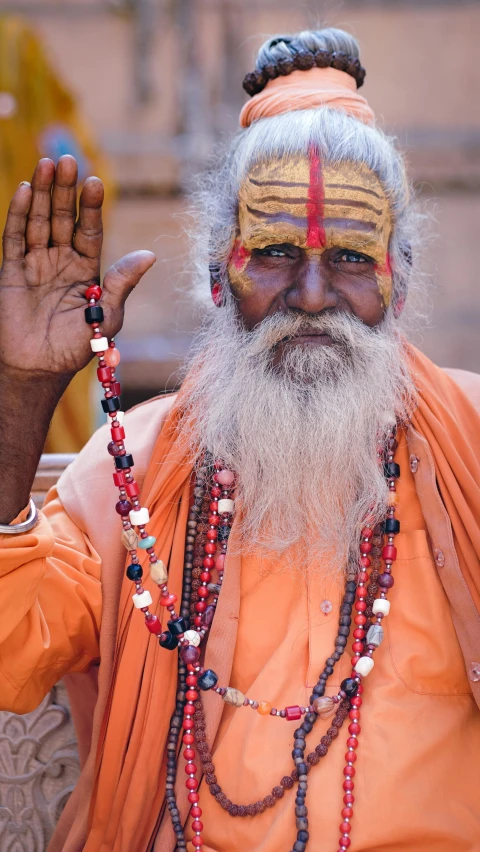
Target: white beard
[[302, 437]]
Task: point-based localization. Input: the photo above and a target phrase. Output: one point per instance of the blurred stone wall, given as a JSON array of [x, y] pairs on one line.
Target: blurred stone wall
[[160, 82]]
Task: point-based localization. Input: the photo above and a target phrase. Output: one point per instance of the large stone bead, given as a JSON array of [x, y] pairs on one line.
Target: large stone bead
[[168, 640], [349, 686], [364, 666], [158, 572], [178, 625], [192, 637], [234, 696], [208, 615], [375, 635], [207, 680], [381, 605], [190, 654], [323, 707], [129, 539]]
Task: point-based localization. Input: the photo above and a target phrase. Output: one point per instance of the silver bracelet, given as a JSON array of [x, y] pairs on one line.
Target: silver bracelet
[[24, 526]]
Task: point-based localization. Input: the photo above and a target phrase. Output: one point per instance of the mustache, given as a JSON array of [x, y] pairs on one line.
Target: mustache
[[343, 328]]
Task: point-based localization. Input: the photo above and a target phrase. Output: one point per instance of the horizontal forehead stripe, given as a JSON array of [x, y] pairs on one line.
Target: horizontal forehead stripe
[[275, 183], [340, 202], [354, 189], [301, 222], [350, 202], [350, 224], [272, 218]]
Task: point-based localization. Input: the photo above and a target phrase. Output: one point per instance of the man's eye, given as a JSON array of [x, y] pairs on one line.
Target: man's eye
[[351, 257], [272, 251]]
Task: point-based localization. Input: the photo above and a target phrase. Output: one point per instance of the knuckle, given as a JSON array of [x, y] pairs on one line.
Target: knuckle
[[37, 218], [63, 213], [90, 234], [17, 218]]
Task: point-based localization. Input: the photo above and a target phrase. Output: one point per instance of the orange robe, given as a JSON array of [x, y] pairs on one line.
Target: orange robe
[[66, 607], [417, 782]]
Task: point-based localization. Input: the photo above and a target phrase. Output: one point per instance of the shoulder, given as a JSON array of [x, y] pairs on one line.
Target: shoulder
[[468, 382], [86, 483]]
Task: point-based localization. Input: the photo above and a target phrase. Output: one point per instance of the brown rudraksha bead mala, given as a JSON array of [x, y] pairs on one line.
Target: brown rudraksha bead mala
[[364, 595], [195, 515], [303, 60], [286, 783]]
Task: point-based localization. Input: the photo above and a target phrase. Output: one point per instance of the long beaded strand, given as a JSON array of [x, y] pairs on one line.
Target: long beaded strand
[[364, 646]]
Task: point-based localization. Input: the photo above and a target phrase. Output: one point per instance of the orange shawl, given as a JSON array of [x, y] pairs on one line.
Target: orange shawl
[[130, 760]]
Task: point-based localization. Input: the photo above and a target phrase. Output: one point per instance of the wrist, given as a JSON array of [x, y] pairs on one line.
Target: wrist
[[40, 385], [28, 403]]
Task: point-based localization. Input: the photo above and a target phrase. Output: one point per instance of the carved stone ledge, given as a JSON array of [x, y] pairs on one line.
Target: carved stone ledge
[[39, 768]]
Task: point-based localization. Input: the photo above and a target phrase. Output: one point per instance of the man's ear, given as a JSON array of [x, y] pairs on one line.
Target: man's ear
[[216, 288], [400, 296]]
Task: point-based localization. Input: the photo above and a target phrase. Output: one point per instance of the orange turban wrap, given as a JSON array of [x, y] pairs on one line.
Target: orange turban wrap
[[308, 90]]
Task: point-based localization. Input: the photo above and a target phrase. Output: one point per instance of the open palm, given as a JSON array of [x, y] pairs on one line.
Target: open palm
[[49, 259]]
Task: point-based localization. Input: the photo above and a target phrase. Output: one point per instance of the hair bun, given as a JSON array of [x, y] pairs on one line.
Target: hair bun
[[329, 48]]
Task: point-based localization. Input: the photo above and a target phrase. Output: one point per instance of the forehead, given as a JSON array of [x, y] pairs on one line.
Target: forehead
[[298, 199]]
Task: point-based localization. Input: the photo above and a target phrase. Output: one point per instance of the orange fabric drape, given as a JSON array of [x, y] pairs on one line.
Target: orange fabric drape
[[451, 427], [135, 725]]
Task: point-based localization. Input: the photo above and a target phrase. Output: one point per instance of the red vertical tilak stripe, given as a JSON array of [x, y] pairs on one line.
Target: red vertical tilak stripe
[[315, 205]]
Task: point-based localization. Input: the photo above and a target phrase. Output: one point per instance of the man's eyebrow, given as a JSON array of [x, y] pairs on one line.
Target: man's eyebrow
[[301, 221]]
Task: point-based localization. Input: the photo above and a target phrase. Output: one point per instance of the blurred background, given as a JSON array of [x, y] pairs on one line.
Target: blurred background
[[140, 91]]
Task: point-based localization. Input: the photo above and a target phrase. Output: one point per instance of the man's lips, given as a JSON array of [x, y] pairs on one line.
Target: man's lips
[[308, 336]]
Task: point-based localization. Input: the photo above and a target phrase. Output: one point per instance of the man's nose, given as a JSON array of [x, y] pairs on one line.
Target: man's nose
[[312, 291]]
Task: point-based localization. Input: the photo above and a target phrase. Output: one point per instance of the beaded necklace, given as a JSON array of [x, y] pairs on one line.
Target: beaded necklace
[[208, 529]]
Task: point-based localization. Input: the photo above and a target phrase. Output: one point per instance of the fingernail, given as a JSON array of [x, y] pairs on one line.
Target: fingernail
[[24, 183]]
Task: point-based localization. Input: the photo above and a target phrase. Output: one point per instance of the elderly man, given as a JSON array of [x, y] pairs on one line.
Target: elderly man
[[301, 522]]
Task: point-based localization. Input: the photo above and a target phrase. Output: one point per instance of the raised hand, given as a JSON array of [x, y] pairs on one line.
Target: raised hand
[[49, 259]]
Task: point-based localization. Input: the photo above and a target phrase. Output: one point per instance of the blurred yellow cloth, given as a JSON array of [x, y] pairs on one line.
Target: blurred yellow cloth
[[39, 118]]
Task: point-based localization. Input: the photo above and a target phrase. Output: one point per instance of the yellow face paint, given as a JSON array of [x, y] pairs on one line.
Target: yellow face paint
[[300, 202]]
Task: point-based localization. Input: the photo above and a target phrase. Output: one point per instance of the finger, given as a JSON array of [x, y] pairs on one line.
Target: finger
[[14, 233], [38, 222], [89, 230], [64, 201], [124, 275]]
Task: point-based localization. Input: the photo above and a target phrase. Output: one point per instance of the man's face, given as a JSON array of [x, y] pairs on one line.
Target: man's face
[[311, 238]]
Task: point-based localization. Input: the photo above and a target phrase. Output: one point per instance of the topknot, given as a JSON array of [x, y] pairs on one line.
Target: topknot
[[282, 54]]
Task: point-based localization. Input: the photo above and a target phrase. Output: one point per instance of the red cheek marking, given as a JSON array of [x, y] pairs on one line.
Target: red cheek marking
[[217, 294], [398, 306], [385, 268], [239, 255], [315, 203]]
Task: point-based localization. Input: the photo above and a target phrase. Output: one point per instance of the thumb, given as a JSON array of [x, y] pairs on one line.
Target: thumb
[[125, 274]]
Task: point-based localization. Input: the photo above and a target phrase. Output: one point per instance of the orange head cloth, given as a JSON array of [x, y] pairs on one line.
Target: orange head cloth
[[307, 90]]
